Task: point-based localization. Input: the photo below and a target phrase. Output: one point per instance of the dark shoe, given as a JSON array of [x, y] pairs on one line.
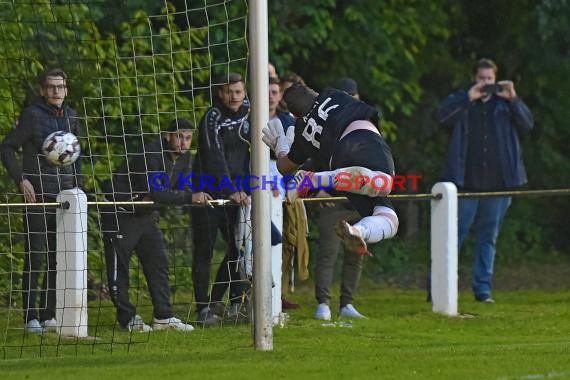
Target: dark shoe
[[211, 316], [288, 305], [218, 309], [238, 313]]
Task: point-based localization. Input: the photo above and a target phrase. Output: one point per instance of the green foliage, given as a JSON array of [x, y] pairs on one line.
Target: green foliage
[[376, 44], [537, 60], [129, 76]]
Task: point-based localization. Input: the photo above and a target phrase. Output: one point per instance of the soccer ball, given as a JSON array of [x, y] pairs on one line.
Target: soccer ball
[[61, 148]]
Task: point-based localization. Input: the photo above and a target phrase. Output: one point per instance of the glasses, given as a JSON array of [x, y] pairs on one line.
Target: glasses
[[52, 87]]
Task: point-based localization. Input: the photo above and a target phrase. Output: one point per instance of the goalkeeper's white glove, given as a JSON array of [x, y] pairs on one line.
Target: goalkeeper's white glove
[[290, 135], [274, 137]]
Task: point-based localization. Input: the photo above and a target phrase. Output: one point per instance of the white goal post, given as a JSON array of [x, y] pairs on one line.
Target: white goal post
[[262, 310], [71, 283], [443, 226]]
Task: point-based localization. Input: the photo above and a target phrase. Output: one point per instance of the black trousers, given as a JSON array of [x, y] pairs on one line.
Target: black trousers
[[40, 246], [205, 224], [367, 149], [125, 234]]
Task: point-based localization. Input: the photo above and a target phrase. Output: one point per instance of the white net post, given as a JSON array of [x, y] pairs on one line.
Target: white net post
[[263, 321], [277, 261], [444, 249], [71, 284]]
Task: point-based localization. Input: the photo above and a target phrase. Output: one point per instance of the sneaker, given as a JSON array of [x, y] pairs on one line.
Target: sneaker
[[171, 323], [485, 300], [237, 312], [137, 324], [323, 312], [351, 238], [350, 311], [207, 318], [50, 325], [34, 326], [218, 309], [302, 188]]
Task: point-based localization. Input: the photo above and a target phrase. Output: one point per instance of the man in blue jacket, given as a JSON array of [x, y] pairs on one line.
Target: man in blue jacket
[[484, 154]]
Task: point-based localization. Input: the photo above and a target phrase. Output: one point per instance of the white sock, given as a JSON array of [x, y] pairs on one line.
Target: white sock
[[379, 226]]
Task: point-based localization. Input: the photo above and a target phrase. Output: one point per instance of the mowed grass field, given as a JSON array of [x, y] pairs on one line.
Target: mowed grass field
[[525, 335]]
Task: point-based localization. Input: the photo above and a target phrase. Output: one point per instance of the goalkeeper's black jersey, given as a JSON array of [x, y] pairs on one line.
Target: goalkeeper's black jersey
[[317, 133]]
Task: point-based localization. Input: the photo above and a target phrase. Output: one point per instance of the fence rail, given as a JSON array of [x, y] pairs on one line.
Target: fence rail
[[396, 197]]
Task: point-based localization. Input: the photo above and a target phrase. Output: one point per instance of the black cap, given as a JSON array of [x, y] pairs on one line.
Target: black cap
[[347, 85], [180, 124]]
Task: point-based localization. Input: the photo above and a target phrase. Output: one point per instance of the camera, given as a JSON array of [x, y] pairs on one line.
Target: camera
[[492, 88]]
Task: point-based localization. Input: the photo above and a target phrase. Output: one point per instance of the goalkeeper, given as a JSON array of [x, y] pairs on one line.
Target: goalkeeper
[[340, 132]]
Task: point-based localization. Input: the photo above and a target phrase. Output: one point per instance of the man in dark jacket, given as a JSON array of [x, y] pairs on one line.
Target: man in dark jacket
[[41, 181], [157, 176], [484, 155], [223, 157]]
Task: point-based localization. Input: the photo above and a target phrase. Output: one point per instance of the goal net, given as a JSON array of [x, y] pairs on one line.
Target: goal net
[[133, 67]]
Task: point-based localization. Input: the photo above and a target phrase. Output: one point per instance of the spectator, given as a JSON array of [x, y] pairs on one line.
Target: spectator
[[290, 78], [223, 154], [484, 154], [272, 71], [127, 230], [40, 181], [329, 243], [286, 120], [287, 80]]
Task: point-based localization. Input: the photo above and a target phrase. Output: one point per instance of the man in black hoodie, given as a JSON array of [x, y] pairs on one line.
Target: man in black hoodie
[[157, 176], [41, 181], [223, 158]]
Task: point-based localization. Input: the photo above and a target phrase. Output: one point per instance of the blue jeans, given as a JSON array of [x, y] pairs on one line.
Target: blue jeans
[[487, 215]]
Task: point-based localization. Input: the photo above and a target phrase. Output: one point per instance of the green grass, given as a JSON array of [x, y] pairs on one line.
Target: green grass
[[525, 335]]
